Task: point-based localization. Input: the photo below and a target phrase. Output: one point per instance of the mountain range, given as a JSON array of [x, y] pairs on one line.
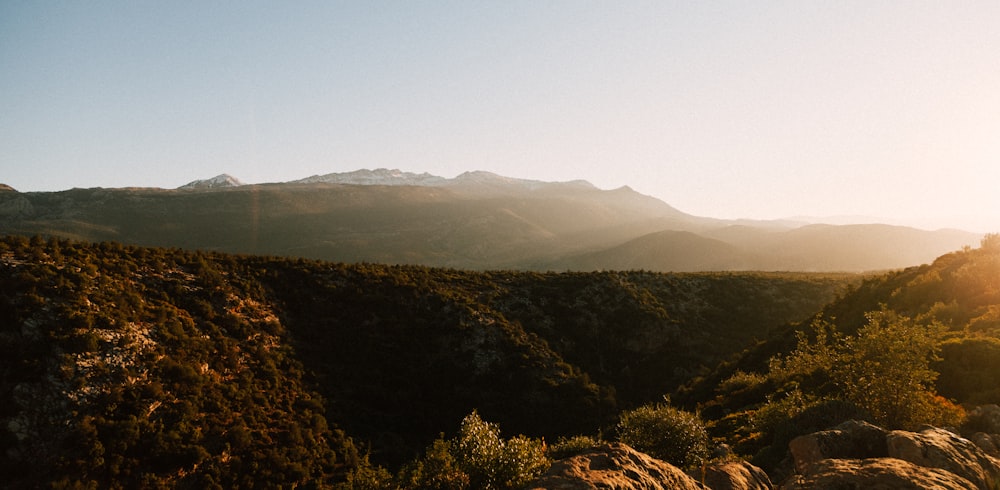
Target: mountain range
[[477, 220]]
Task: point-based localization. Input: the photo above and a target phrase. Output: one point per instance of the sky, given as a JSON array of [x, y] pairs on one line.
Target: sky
[[743, 109]]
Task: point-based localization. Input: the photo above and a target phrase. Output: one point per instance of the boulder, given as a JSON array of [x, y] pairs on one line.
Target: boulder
[[938, 448], [850, 440], [736, 475], [984, 418], [614, 466], [989, 443], [874, 473]]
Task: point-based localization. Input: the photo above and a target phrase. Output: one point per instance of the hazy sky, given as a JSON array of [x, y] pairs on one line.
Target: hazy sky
[[748, 109]]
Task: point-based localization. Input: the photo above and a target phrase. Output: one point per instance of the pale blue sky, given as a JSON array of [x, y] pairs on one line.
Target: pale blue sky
[[725, 109]]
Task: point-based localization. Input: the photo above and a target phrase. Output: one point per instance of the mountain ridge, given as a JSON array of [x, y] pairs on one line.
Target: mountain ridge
[[477, 220]]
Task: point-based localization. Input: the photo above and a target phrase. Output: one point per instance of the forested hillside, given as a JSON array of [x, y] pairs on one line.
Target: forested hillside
[[149, 367], [911, 347]]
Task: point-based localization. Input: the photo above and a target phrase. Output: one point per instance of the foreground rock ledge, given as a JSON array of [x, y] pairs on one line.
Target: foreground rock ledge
[[874, 473], [860, 455], [617, 466], [852, 455]]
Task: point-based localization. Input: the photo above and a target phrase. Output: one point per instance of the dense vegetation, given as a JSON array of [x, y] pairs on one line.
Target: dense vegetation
[[145, 367], [124, 366], [908, 348]]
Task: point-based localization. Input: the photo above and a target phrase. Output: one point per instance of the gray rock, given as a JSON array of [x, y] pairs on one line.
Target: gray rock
[[736, 475], [938, 448], [874, 473], [987, 442], [614, 466], [850, 440]]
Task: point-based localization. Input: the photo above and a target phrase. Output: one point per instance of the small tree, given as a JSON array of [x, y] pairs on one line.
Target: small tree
[[990, 242], [885, 369]]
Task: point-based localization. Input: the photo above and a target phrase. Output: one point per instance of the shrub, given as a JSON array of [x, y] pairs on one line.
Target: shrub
[[667, 433], [477, 458], [565, 448], [741, 381]]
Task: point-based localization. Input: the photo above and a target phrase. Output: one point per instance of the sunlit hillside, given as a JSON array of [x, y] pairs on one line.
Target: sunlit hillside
[[146, 366], [954, 302]]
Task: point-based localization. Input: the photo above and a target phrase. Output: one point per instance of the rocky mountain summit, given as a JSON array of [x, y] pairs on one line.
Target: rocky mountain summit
[[379, 176], [218, 182]]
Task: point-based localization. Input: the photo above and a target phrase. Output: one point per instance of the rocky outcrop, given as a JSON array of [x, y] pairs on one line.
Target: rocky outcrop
[[990, 443], [860, 455], [736, 475], [883, 473], [614, 466], [850, 440], [620, 467], [938, 448], [984, 418]]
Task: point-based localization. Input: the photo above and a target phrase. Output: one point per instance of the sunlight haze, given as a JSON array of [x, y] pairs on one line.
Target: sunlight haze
[[759, 110]]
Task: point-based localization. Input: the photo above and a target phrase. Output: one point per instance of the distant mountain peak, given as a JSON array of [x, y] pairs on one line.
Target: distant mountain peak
[[484, 178], [379, 176], [219, 181], [7, 188], [476, 178]]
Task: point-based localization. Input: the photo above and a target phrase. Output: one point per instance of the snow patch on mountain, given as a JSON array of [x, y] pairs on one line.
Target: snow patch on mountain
[[379, 176], [475, 181], [478, 179], [217, 182]]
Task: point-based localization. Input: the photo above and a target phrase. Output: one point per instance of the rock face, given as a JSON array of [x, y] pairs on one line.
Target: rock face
[[617, 466], [860, 455], [613, 466]]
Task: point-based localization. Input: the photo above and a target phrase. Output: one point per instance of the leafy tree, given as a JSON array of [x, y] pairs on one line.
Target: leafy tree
[[810, 363], [885, 369], [990, 242]]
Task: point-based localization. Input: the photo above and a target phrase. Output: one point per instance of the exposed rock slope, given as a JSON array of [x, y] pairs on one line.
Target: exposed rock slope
[[860, 455], [618, 466]]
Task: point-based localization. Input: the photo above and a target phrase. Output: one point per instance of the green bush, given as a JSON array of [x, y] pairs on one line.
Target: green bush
[[477, 458], [667, 433], [568, 447]]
